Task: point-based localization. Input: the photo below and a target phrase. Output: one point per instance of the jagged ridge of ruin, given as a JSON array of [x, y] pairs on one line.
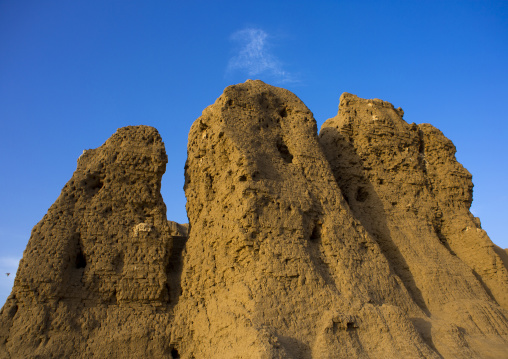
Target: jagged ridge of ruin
[[92, 281], [405, 186], [354, 243]]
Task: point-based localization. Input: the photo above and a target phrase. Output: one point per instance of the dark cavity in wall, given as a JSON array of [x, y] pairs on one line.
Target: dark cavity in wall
[[80, 256], [174, 353], [315, 236], [362, 194], [284, 151]]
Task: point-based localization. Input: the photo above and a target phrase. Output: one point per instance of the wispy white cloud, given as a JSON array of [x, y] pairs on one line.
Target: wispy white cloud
[[253, 56]]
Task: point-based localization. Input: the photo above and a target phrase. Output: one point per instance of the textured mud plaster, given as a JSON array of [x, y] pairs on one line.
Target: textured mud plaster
[[404, 185], [357, 243], [92, 281], [276, 250]]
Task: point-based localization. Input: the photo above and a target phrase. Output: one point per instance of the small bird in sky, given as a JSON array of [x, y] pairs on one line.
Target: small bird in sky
[[8, 274]]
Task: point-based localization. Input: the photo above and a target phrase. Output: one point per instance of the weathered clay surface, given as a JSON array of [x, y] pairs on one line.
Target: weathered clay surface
[[452, 187], [276, 265], [93, 280], [404, 185], [356, 243]]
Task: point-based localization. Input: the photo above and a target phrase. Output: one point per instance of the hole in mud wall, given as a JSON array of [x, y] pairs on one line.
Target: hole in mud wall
[[174, 353], [315, 236], [283, 113], [93, 182], [12, 311], [421, 146], [361, 194], [80, 259], [284, 151], [350, 326]]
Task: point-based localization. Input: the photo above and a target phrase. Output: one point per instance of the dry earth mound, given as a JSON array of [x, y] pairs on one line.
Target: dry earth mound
[[276, 265], [92, 281], [356, 243], [405, 186]]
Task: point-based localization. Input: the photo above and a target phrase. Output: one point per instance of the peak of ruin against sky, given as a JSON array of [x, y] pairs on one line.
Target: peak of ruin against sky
[[71, 73]]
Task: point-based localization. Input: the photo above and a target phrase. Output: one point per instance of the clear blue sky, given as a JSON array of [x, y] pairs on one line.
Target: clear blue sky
[[72, 72]]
